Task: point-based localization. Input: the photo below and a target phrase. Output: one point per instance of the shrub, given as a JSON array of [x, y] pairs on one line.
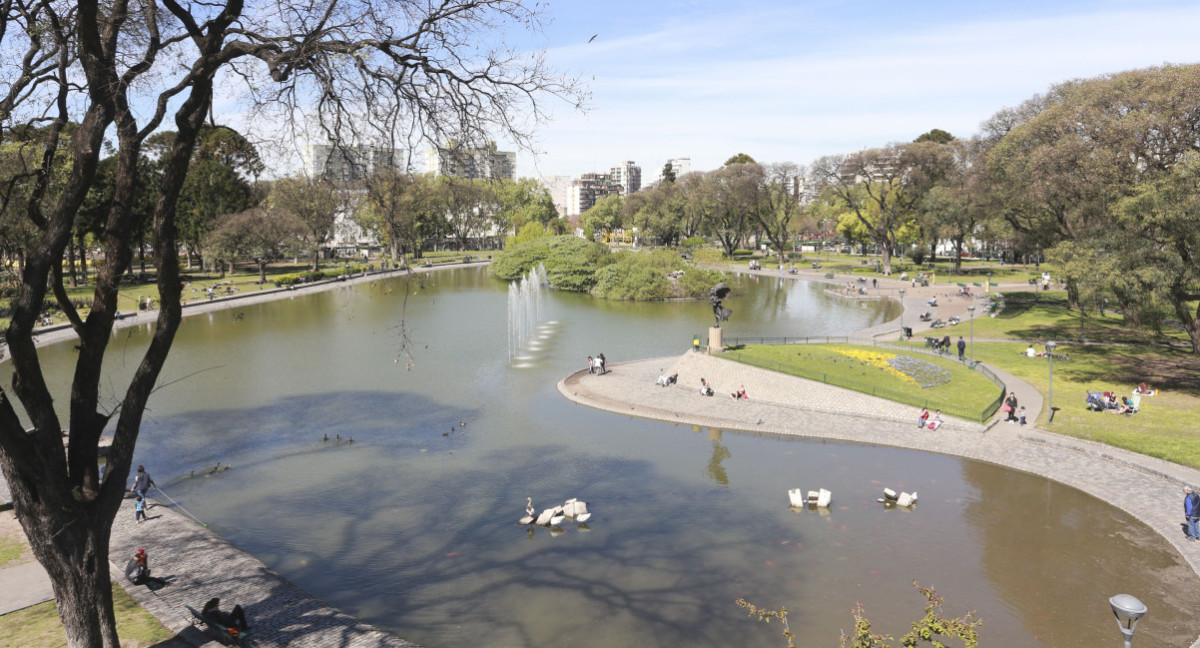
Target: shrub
[[570, 261]]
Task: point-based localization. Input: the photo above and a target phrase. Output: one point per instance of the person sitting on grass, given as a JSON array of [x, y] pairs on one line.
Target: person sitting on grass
[[233, 619], [1145, 390]]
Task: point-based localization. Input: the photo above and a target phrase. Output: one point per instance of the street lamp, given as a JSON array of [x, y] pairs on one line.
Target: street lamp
[[901, 313], [1050, 353], [971, 310], [1128, 610]]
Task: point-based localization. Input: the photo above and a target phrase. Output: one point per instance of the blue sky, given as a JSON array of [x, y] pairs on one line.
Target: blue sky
[[791, 81]]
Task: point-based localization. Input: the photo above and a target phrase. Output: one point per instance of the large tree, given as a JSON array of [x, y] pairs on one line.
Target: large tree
[[123, 70], [315, 202], [883, 187], [732, 195], [779, 205]]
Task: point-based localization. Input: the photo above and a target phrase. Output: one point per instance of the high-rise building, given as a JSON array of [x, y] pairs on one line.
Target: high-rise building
[[589, 188], [349, 163], [679, 166], [559, 187], [460, 161], [629, 175]]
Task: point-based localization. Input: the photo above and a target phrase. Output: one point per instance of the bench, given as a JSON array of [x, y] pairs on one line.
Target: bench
[[227, 635]]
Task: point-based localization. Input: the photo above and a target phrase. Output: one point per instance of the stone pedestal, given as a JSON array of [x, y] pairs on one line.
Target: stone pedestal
[[714, 340]]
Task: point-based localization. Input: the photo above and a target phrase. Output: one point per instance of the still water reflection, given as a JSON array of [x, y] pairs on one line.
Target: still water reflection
[[413, 525]]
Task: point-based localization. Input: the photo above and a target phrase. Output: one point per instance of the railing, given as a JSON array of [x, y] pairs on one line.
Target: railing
[[906, 398]]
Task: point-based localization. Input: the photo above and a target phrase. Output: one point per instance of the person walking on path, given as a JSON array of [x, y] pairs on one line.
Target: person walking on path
[[139, 508], [1191, 512], [962, 349], [142, 482], [1010, 407]]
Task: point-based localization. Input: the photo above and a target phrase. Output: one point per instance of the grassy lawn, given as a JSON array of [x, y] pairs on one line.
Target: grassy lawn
[[1044, 315], [1165, 427], [39, 627], [10, 550], [960, 392]]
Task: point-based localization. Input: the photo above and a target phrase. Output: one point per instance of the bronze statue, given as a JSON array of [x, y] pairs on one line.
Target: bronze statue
[[715, 295]]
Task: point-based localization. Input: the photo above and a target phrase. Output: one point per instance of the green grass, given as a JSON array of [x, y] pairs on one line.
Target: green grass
[[10, 550], [38, 626], [1165, 427], [967, 394], [973, 270], [1040, 316]]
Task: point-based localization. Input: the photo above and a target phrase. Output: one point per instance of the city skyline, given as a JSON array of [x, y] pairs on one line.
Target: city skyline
[[782, 82]]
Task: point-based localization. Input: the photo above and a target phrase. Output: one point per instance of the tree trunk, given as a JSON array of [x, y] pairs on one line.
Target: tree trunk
[[262, 271], [316, 259], [71, 265], [885, 251]]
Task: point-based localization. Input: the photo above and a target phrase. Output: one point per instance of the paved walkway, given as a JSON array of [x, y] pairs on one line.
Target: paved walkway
[[198, 565], [23, 586]]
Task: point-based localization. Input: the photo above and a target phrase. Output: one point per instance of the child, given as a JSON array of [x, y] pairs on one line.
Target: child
[[139, 508], [1021, 414], [923, 418]]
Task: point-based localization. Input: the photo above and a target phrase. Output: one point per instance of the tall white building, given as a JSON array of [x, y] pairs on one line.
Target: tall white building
[[680, 166], [629, 175], [476, 163], [559, 188], [348, 163]]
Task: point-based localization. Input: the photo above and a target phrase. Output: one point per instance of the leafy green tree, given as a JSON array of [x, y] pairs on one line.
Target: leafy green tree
[[1158, 244], [469, 206], [883, 187], [937, 136], [956, 207], [779, 208], [523, 201], [604, 216], [668, 173], [257, 234], [740, 158], [733, 194], [315, 202]]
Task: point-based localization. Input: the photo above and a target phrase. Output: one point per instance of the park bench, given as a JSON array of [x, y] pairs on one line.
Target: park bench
[[226, 635]]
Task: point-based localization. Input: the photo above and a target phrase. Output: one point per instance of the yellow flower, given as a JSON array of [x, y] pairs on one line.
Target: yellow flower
[[877, 360]]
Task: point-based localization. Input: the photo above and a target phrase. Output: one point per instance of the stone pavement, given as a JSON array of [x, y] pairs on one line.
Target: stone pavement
[[23, 586], [198, 565], [1148, 489]]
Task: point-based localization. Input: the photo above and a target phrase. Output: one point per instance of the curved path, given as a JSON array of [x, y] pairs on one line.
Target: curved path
[[1148, 489]]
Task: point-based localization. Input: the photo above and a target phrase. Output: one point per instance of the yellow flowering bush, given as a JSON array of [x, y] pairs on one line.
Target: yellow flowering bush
[[878, 360]]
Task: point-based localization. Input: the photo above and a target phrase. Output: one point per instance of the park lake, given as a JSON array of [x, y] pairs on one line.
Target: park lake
[[413, 525]]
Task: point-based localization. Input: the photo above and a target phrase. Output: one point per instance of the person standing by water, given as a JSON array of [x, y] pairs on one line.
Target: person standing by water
[[142, 482], [1191, 512]]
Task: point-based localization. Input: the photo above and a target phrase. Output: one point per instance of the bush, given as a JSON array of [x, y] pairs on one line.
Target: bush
[[298, 278], [917, 254], [570, 261], [645, 276]]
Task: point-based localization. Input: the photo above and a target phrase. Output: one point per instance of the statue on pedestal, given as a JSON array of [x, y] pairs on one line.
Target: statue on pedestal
[[715, 295]]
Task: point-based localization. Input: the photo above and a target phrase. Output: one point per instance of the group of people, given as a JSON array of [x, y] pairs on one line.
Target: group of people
[[598, 364], [137, 570], [706, 389], [924, 420]]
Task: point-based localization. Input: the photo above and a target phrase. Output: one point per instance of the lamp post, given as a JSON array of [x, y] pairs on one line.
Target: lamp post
[[1128, 610], [901, 313], [1050, 353], [971, 310]]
